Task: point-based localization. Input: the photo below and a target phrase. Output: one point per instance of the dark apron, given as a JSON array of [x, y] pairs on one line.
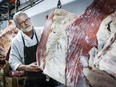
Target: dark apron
[[35, 79]]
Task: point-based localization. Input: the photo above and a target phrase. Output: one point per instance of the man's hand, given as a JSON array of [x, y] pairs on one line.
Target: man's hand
[[33, 67]]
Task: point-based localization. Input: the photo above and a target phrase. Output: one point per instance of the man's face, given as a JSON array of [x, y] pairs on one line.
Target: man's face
[[23, 22]]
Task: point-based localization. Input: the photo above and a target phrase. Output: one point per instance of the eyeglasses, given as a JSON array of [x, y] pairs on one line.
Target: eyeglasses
[[23, 22]]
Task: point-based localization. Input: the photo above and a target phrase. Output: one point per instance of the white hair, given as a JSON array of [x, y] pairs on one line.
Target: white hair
[[16, 15]]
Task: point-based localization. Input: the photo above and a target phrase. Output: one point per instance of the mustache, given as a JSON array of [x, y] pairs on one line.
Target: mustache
[[28, 26]]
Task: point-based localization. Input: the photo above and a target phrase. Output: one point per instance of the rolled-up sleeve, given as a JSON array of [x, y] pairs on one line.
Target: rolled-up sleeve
[[14, 58]]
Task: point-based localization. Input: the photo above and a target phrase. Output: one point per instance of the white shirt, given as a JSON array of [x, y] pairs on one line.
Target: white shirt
[[16, 57]]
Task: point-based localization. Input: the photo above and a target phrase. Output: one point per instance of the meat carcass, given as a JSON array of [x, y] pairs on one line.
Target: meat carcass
[[7, 35], [106, 29], [5, 41], [106, 58], [79, 38], [52, 50], [84, 31]]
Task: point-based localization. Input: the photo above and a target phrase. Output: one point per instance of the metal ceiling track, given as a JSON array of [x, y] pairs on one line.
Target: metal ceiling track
[[26, 5], [22, 7]]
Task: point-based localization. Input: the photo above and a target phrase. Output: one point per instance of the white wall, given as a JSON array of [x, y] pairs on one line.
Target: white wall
[[75, 6], [45, 5], [39, 12]]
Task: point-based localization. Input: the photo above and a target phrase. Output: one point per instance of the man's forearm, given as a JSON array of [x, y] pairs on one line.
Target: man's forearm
[[21, 67]]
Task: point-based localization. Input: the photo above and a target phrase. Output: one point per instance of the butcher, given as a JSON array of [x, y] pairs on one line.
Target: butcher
[[23, 52]]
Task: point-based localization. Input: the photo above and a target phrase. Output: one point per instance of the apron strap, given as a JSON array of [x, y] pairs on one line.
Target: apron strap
[[24, 41]]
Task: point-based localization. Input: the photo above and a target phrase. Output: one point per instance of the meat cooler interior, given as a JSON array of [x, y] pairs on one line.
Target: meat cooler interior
[[77, 47]]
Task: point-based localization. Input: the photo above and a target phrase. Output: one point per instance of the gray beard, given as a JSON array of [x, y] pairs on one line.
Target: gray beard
[[27, 29]]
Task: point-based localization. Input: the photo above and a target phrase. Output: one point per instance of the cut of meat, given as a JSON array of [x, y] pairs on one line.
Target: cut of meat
[[5, 40], [2, 51], [7, 35], [84, 37], [54, 45], [107, 27], [106, 58], [62, 47]]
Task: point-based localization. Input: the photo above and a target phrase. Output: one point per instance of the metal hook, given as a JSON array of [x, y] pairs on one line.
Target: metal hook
[[59, 5]]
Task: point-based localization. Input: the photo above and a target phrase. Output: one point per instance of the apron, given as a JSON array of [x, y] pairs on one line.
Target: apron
[[35, 79]]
